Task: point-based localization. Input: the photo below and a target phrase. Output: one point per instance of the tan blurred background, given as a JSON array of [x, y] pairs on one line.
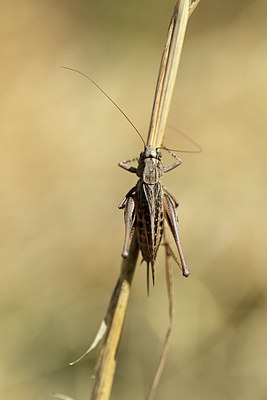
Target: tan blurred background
[[61, 231]]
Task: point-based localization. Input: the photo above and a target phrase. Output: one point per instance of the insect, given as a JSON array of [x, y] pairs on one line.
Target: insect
[[148, 203], [146, 206]]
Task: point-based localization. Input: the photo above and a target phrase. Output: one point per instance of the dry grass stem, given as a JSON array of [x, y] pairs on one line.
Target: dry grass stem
[[168, 70], [192, 7], [62, 396], [114, 319]]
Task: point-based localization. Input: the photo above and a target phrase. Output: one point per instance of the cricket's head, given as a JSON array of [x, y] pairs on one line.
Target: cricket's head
[[150, 165]]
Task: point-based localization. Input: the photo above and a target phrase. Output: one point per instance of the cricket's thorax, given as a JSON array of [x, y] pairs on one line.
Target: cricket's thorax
[[150, 168], [149, 218]]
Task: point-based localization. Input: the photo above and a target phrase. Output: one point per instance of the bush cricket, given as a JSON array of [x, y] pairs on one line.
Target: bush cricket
[[147, 204]]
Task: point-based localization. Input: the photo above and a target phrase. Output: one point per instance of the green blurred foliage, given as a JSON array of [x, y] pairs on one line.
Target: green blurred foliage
[[61, 232]]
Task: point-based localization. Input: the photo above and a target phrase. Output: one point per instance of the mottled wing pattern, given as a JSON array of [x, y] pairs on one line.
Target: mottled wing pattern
[[149, 220]]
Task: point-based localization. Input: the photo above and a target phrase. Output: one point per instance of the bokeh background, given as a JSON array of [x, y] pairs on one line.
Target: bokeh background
[[61, 232]]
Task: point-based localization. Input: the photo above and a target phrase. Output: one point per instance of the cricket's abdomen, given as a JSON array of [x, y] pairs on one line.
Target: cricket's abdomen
[[149, 219]]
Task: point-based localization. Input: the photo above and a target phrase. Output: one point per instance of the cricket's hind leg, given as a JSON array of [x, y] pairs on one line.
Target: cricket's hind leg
[[176, 203], [171, 217], [129, 219], [129, 194]]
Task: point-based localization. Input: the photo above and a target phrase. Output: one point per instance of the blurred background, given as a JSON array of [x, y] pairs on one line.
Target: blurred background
[[61, 231]]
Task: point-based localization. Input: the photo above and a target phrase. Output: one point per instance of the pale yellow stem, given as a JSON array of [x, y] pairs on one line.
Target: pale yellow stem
[[114, 319], [168, 71]]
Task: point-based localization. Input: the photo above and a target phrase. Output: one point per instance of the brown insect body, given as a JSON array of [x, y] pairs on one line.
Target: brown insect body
[[149, 205], [146, 204], [149, 219]]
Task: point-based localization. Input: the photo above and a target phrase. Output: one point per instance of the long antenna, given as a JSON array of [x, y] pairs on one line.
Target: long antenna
[[110, 99], [189, 139]]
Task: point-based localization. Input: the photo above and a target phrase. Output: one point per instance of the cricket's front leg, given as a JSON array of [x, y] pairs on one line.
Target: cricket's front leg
[[129, 218], [171, 217], [170, 167], [124, 164]]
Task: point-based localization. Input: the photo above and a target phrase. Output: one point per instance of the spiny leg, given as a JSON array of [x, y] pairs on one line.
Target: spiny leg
[[171, 217], [168, 168], [175, 257], [123, 164], [129, 218]]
